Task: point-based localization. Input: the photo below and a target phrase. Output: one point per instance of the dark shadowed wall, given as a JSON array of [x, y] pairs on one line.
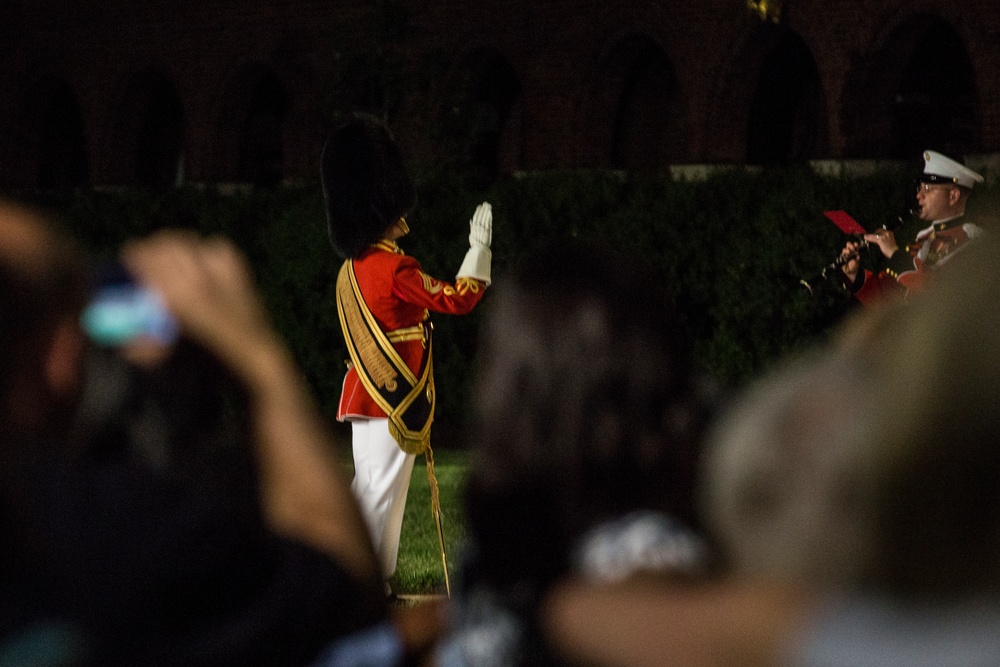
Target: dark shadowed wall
[[153, 93]]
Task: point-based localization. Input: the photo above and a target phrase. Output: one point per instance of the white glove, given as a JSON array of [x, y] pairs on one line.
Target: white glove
[[478, 259]]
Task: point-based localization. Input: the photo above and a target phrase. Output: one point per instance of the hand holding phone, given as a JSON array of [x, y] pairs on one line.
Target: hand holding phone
[[123, 311]]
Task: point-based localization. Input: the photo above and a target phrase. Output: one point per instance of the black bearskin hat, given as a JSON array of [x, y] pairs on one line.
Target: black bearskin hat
[[365, 184]]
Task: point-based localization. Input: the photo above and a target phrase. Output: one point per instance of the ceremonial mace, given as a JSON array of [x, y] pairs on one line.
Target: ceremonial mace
[[436, 513]]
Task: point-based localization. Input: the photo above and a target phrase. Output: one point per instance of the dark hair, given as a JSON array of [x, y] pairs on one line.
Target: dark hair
[[43, 279], [937, 511], [43, 283], [586, 410], [365, 184]]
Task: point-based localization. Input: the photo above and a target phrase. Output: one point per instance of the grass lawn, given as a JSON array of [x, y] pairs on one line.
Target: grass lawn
[[419, 569]]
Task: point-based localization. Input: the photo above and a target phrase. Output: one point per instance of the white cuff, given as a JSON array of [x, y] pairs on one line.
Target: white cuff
[[476, 264]]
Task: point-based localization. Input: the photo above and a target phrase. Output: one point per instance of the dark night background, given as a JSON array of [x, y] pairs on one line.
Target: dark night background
[[111, 92], [623, 120]]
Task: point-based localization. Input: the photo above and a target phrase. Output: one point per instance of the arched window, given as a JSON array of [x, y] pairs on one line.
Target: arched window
[[59, 134], [648, 127], [935, 105], [770, 107], [786, 121], [494, 96], [633, 115], [261, 143], [916, 91], [151, 132], [486, 113], [251, 146]]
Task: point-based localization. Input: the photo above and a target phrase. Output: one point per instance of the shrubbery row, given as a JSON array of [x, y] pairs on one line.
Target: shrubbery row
[[731, 248]]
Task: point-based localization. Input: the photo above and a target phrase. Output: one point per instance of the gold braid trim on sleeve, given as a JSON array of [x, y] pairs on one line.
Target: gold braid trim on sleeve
[[466, 284]]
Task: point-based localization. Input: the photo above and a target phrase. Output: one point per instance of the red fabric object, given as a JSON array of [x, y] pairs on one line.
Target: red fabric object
[[399, 295], [845, 222], [933, 247], [878, 286]]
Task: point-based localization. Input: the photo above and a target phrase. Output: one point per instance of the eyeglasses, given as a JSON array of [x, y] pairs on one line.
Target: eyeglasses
[[927, 187]]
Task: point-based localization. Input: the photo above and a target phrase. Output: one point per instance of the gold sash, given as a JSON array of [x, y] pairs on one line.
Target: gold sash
[[407, 398]]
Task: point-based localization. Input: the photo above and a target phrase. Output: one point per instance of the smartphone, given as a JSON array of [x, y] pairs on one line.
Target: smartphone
[[122, 311]]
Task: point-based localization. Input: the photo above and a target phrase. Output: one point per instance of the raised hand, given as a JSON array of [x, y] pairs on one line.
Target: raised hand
[[478, 259], [481, 226]]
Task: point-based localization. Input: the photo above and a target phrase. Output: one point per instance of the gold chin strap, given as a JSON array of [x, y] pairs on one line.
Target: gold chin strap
[[405, 228]]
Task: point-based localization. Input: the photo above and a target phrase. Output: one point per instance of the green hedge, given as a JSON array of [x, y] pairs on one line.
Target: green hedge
[[732, 248]]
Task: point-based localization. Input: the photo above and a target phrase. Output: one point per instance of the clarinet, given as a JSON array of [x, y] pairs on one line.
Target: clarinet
[[817, 280]]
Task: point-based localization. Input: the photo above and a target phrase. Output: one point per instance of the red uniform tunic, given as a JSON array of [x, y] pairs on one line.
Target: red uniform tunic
[[399, 295], [909, 268]]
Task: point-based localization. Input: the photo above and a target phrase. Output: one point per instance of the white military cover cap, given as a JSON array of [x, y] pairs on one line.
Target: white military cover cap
[[942, 169]]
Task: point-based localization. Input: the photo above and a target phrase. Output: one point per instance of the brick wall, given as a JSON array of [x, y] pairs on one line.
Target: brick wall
[[576, 63]]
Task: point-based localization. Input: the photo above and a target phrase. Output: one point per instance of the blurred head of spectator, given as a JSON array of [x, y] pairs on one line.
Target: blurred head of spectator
[[870, 465], [588, 417], [43, 288]]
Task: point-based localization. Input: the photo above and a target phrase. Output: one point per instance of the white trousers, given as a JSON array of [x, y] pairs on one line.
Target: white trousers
[[381, 479]]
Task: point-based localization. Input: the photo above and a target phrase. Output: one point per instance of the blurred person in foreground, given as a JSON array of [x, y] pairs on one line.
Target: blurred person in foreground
[[860, 526], [107, 562], [588, 419], [943, 191]]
